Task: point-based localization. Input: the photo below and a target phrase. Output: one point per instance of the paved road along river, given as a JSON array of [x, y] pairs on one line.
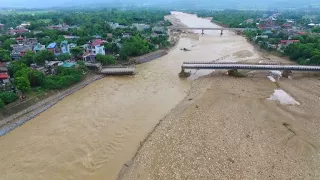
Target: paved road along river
[[93, 132]]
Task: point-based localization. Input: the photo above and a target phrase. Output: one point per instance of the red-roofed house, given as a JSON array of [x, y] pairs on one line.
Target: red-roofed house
[[287, 25], [17, 31], [285, 43], [4, 76], [96, 47], [301, 33]]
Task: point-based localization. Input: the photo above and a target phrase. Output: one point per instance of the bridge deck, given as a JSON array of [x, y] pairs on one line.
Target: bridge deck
[[251, 67], [249, 63], [118, 71], [207, 28]]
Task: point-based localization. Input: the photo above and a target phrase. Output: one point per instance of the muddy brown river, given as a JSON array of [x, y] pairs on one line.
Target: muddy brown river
[[93, 132]]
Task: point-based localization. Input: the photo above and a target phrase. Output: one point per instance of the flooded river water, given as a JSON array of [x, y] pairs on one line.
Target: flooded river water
[[93, 132]]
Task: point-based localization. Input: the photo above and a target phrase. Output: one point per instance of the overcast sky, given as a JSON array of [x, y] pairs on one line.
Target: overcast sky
[[210, 3]]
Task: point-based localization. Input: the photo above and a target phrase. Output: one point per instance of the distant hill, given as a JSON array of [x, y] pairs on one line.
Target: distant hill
[[197, 4]]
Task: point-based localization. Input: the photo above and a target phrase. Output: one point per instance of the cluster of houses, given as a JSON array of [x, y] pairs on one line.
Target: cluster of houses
[[62, 27], [89, 50], [22, 28], [271, 28]]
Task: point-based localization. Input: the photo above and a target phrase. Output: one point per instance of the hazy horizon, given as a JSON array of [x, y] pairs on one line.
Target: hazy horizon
[[253, 4]]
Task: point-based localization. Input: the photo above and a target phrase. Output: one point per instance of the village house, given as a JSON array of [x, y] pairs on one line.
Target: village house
[[158, 29], [126, 35], [18, 50], [287, 25], [96, 36], [62, 27], [92, 49], [27, 41], [71, 37], [51, 66], [38, 47], [37, 32], [12, 31], [140, 27], [66, 47], [284, 43], [116, 25], [53, 48], [261, 36], [1, 26], [4, 78], [272, 46]]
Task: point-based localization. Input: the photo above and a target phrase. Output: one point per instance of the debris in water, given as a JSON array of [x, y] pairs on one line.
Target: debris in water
[[283, 97], [272, 79], [185, 49]]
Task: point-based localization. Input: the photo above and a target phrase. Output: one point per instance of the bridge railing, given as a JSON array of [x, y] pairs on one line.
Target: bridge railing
[[214, 62], [251, 67]]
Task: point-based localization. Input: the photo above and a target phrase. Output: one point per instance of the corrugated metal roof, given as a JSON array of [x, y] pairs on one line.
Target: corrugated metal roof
[[52, 45]]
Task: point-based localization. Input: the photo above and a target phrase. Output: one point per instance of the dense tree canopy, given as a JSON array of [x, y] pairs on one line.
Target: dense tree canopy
[[106, 60], [8, 97], [28, 58], [43, 56], [305, 52], [135, 46], [23, 83], [64, 56], [4, 55]]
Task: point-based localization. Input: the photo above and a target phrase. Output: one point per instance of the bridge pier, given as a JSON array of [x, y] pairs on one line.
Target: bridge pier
[[184, 74], [221, 33], [202, 31]]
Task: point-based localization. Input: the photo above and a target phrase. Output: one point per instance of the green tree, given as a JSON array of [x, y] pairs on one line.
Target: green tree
[[316, 29], [106, 60], [7, 44], [112, 48], [4, 55], [64, 56], [42, 56], [22, 72], [8, 97], [28, 58], [36, 78], [1, 104], [22, 83], [135, 46], [76, 51], [15, 66]]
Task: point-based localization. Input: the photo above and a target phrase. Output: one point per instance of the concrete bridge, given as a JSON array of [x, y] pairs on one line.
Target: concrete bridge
[[206, 28], [248, 66], [118, 71]]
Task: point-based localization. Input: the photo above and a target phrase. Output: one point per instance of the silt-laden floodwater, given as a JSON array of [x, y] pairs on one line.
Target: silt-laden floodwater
[[93, 132]]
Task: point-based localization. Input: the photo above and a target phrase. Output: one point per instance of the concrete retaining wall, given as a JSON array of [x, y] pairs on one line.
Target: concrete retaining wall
[[150, 56]]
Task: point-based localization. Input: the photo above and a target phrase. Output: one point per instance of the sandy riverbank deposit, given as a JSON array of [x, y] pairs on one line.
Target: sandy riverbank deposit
[[228, 128]]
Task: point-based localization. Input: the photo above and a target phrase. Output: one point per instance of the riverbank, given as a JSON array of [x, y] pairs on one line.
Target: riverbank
[[9, 123]]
